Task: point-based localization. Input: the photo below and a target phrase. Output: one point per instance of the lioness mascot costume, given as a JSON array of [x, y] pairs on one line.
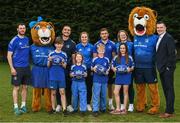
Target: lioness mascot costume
[[43, 36], [142, 25]]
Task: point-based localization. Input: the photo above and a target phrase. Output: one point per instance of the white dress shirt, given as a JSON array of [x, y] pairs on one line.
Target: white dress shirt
[[159, 40]]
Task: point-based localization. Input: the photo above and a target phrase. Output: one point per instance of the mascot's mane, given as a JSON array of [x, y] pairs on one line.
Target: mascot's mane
[[142, 20], [42, 32]]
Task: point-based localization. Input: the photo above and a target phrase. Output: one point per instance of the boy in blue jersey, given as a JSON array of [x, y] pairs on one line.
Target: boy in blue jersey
[[69, 48], [57, 62], [110, 52], [78, 88], [123, 37], [100, 67], [86, 49], [18, 59]]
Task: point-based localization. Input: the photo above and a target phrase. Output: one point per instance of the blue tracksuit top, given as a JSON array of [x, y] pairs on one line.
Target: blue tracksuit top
[[144, 51], [87, 52]]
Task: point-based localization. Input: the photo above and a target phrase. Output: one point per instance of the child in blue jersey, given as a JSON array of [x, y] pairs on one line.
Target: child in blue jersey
[[57, 62], [86, 49], [100, 67], [78, 87], [123, 37], [122, 65]]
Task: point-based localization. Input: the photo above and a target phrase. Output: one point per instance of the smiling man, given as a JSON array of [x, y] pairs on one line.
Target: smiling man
[[18, 59]]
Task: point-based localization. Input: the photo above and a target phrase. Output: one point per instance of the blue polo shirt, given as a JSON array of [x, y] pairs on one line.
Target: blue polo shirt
[[110, 47], [87, 52], [40, 54], [56, 71], [21, 52], [105, 63], [144, 51], [129, 45], [78, 69]]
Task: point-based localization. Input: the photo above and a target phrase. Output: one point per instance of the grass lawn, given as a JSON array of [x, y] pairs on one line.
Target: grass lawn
[[7, 114]]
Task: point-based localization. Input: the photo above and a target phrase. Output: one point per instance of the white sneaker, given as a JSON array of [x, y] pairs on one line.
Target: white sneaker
[[111, 107], [70, 108], [122, 107], [131, 108], [89, 107], [58, 108]]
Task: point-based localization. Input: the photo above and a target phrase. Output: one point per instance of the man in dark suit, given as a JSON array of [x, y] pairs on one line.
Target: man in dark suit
[[166, 64]]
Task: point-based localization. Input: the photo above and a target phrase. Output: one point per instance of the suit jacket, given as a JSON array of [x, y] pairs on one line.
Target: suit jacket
[[166, 54]]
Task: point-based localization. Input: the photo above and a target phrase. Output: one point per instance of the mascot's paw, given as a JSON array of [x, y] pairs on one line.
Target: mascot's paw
[[153, 110], [140, 108]]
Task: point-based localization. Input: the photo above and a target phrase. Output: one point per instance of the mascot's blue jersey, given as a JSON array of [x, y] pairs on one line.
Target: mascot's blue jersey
[[105, 63], [78, 71], [40, 54], [144, 51]]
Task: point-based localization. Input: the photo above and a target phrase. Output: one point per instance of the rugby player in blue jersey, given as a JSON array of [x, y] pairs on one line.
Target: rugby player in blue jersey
[[18, 59]]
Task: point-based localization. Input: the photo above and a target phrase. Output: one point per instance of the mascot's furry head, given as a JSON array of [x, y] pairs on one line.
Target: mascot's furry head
[[142, 20], [42, 32]]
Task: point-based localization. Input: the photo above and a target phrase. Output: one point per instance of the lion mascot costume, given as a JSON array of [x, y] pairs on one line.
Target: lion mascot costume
[[142, 25], [43, 36]]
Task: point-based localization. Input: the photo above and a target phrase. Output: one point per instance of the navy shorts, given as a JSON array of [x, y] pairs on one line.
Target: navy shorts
[[23, 76], [145, 75], [57, 84]]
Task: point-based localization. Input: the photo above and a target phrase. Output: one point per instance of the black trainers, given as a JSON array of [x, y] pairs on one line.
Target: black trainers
[[52, 111], [83, 113], [95, 113], [65, 113], [103, 111]]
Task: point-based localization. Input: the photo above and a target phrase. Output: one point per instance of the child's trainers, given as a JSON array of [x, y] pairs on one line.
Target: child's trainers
[[23, 109], [70, 108], [17, 112], [131, 108]]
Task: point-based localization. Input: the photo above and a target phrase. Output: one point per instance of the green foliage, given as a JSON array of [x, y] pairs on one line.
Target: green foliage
[[83, 15]]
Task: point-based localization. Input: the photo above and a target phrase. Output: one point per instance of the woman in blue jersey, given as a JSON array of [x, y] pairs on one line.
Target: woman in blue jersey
[[100, 67], [86, 49], [79, 92], [123, 66], [123, 37], [57, 62]]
